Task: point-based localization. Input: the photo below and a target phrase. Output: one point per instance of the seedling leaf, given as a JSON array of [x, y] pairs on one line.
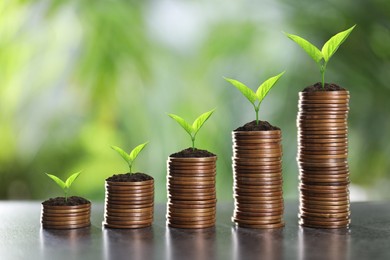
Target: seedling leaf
[[58, 181], [331, 46], [266, 86], [247, 92], [198, 123], [134, 153], [310, 49], [71, 179], [187, 127], [122, 153]]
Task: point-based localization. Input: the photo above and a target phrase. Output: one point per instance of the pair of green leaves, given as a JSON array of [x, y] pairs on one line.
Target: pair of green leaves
[[192, 129], [65, 186], [260, 93], [322, 57], [130, 158]]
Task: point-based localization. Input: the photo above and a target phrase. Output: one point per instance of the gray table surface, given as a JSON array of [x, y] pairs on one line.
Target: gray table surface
[[21, 237]]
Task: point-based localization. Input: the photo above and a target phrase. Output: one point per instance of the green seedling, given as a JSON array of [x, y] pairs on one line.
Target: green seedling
[[260, 94], [130, 158], [193, 129], [65, 186], [321, 57]]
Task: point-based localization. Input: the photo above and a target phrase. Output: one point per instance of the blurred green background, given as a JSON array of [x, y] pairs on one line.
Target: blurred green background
[[78, 76]]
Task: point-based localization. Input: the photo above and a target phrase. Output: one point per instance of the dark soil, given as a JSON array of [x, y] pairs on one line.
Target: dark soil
[[261, 126], [328, 87], [189, 152], [130, 177], [60, 201]]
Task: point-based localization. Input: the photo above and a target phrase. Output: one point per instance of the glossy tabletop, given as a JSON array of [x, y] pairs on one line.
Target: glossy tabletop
[[21, 237]]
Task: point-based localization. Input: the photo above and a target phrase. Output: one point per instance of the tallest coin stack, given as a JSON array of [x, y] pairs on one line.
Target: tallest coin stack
[[322, 159]]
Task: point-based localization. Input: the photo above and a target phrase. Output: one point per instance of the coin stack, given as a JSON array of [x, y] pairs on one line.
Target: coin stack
[[191, 192], [257, 168], [66, 217], [129, 204], [322, 159]]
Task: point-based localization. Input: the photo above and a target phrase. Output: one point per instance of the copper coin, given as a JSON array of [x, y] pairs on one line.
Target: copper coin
[[130, 208], [190, 212], [191, 206], [186, 222], [192, 178], [199, 202], [324, 224], [258, 199], [258, 192], [324, 178], [66, 222], [265, 184], [250, 147], [266, 226], [257, 142], [120, 226], [324, 194], [322, 101], [204, 211], [317, 165], [192, 226], [326, 215], [274, 189], [254, 208], [315, 175], [307, 104], [200, 173], [324, 203], [256, 221], [194, 197], [66, 211], [207, 191], [331, 220], [149, 194], [310, 155], [128, 218], [129, 189], [146, 214], [257, 133], [129, 183], [189, 219], [242, 214], [323, 187], [130, 223], [65, 218], [308, 207], [192, 159], [210, 170], [70, 226]]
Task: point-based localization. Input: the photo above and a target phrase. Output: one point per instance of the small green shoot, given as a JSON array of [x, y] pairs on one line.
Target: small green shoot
[[65, 186], [260, 94], [193, 129], [130, 158], [322, 57]]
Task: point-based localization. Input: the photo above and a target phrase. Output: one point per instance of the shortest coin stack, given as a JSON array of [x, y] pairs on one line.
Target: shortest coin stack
[[257, 167], [191, 192], [129, 204], [322, 159], [66, 217]]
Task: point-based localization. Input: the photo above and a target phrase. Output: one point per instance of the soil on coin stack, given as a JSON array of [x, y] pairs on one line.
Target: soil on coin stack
[[130, 177], [192, 152], [328, 87], [71, 201], [261, 126]]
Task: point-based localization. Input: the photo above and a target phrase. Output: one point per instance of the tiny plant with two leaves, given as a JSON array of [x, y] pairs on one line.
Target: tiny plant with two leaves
[[321, 57], [259, 95], [130, 158], [65, 186], [192, 129]]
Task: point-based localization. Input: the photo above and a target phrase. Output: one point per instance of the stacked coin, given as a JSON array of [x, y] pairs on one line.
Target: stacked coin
[[191, 192], [257, 168], [66, 217], [322, 159], [129, 204]]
